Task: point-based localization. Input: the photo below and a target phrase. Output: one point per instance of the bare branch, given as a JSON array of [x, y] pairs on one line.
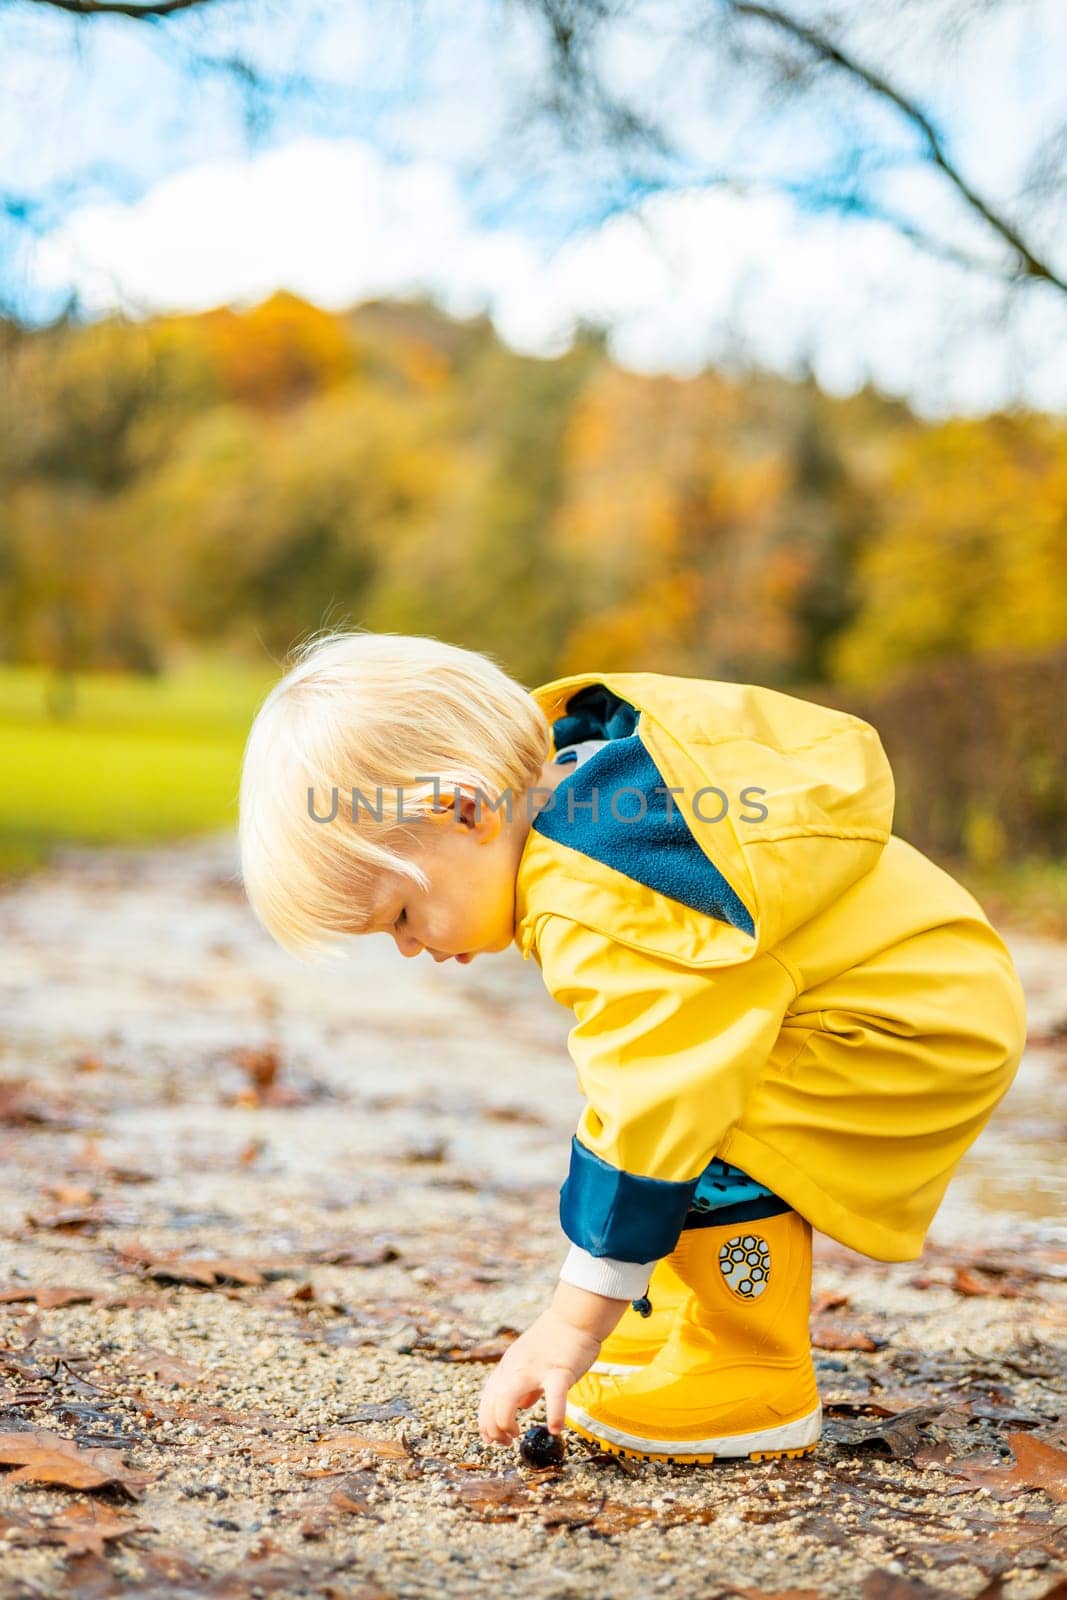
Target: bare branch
[[150, 12], [825, 49]]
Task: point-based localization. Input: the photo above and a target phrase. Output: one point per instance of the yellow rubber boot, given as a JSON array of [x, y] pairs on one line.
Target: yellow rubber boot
[[639, 1335], [735, 1375]]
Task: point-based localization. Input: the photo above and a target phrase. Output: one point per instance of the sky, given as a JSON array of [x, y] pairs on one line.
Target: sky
[[399, 151]]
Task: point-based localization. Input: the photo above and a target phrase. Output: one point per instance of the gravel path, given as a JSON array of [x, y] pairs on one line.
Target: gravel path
[[370, 1157]]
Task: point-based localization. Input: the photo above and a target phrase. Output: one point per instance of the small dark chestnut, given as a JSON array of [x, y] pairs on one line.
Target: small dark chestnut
[[539, 1448]]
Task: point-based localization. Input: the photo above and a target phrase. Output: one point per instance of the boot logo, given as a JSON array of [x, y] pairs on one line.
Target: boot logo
[[745, 1263]]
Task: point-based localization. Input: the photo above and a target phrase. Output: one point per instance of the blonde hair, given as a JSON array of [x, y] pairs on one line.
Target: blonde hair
[[368, 712]]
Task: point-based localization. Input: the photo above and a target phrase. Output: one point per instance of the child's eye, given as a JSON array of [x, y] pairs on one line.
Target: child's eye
[[403, 917]]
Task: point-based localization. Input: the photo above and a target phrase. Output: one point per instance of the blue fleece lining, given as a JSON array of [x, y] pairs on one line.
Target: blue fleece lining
[[595, 811]]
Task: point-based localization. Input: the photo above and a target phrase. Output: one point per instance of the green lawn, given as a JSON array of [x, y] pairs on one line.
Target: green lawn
[[130, 759]]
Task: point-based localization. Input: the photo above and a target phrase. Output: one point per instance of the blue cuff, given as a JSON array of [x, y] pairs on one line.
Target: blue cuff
[[613, 1213]]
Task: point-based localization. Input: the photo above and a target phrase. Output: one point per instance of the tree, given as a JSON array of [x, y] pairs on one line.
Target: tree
[[847, 58]]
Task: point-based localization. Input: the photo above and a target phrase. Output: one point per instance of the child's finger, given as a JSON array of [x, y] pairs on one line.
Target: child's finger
[[504, 1414], [487, 1424], [556, 1385]]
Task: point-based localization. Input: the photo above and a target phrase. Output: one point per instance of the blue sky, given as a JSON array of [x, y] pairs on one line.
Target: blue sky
[[413, 164]]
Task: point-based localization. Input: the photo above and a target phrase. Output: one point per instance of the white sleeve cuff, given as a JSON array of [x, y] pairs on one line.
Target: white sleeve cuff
[[618, 1280]]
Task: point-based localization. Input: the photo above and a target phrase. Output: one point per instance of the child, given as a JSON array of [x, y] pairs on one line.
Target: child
[[786, 1016]]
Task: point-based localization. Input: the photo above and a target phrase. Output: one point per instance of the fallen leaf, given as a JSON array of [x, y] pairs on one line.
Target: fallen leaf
[[23, 1105], [892, 1586], [899, 1435], [201, 1272], [423, 1152], [70, 1194], [71, 1219], [397, 1407], [512, 1114], [49, 1297], [44, 1457], [350, 1498], [487, 1350], [966, 1282], [828, 1301], [824, 1338], [498, 1498], [1037, 1465], [166, 1368], [371, 1255], [361, 1444], [773, 1594], [262, 1065], [83, 1529]]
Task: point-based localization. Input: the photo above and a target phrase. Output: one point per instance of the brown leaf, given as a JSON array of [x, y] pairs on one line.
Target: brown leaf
[[1037, 1465], [44, 1457], [488, 1350], [349, 1499], [70, 1194], [23, 1105], [774, 1594], [828, 1301], [825, 1338], [499, 1498], [891, 1586], [608, 1517], [361, 1444], [512, 1114], [70, 1219], [371, 1255], [901, 1435], [84, 1529], [167, 1368], [193, 1411], [504, 1497], [424, 1152], [49, 1297], [262, 1065], [201, 1272], [966, 1282]]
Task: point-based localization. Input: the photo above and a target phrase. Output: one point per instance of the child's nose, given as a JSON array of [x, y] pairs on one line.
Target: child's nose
[[407, 944]]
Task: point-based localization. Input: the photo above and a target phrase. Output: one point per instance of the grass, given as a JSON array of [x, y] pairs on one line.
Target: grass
[[126, 759]]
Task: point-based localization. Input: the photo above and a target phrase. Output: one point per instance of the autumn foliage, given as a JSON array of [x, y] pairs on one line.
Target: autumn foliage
[[246, 477]]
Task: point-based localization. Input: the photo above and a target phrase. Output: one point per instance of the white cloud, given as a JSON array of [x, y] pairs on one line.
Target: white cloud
[[688, 279]]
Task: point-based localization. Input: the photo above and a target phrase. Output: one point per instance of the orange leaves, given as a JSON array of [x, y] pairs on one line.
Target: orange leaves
[[86, 1529], [49, 1297], [45, 1457], [275, 354], [1037, 1465]]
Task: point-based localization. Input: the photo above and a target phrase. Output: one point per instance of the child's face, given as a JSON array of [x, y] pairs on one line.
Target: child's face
[[472, 863]]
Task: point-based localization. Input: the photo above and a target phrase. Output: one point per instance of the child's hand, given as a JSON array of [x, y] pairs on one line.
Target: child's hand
[[547, 1359]]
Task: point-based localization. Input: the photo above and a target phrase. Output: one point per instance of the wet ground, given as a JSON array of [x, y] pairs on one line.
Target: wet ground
[[264, 1227]]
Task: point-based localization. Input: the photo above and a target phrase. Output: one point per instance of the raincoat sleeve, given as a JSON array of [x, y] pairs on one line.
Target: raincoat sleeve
[[666, 1057]]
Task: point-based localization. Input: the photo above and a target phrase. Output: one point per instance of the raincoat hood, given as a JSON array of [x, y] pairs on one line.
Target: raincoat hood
[[808, 794]]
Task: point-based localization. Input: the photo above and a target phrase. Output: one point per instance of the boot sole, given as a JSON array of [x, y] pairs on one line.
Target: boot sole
[[793, 1439]]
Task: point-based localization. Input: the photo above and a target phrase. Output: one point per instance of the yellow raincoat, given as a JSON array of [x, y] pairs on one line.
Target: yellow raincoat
[[760, 970]]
